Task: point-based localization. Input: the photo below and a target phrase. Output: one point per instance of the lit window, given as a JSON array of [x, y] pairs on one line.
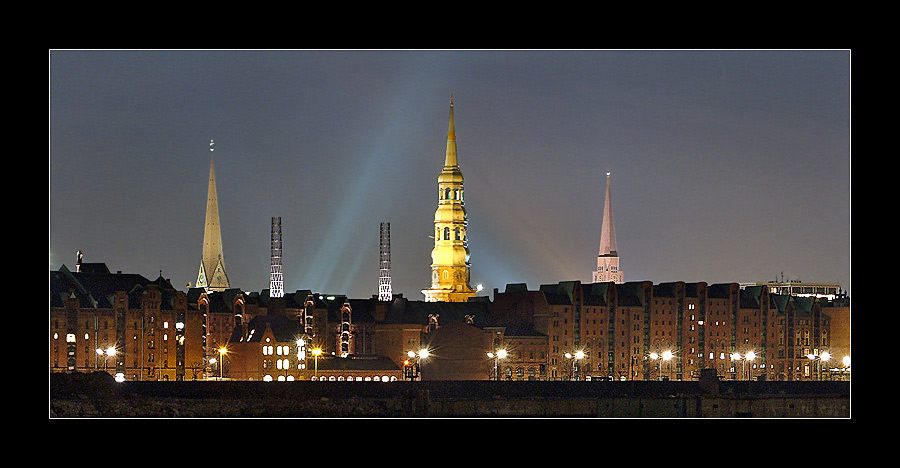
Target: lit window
[[267, 378]]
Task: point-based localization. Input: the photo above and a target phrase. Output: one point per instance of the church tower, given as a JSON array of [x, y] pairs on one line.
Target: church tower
[[608, 259], [450, 256], [212, 274]]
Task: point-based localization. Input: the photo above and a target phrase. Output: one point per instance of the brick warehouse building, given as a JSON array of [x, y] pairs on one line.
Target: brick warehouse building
[[619, 327], [148, 323], [163, 334]]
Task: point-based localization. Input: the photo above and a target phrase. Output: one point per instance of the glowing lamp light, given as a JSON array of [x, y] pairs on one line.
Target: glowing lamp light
[[751, 356], [825, 356], [666, 355], [411, 353], [579, 355], [846, 361], [501, 354], [120, 377], [423, 353], [111, 351], [654, 356]]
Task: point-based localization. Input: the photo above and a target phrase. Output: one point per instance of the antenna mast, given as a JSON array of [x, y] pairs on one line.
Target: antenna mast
[[384, 278], [276, 283]]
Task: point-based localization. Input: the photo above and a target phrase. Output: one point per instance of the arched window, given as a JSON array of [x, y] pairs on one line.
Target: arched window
[[456, 194], [446, 233], [457, 233], [447, 193]]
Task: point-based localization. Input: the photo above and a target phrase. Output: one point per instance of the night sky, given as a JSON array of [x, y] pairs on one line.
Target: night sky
[[727, 166]]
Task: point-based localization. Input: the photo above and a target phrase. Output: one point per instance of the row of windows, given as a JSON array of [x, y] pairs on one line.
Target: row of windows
[[448, 194], [106, 325], [279, 350], [340, 378], [459, 233]]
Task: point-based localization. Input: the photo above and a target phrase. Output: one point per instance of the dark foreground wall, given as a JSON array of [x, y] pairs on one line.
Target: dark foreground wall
[[97, 395]]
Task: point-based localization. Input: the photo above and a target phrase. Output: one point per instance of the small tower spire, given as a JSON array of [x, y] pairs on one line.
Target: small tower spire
[[212, 274], [608, 258], [450, 159]]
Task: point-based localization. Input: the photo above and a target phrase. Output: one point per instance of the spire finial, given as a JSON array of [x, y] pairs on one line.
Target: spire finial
[[212, 146], [451, 98]]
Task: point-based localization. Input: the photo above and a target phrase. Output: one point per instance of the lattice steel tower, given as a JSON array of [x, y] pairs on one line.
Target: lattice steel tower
[[384, 278], [276, 283]]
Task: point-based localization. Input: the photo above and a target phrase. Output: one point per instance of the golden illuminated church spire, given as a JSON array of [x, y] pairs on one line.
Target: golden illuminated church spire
[[450, 256]]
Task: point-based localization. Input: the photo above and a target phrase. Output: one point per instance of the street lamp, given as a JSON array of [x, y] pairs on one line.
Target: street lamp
[[824, 357], [316, 352], [846, 368], [222, 351], [108, 353], [575, 358], [413, 368], [745, 359], [750, 356], [500, 354], [659, 358]]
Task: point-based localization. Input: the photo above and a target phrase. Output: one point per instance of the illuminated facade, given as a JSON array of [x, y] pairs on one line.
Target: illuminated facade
[[212, 276], [450, 269], [123, 324], [608, 258], [624, 330], [829, 291], [629, 331]]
